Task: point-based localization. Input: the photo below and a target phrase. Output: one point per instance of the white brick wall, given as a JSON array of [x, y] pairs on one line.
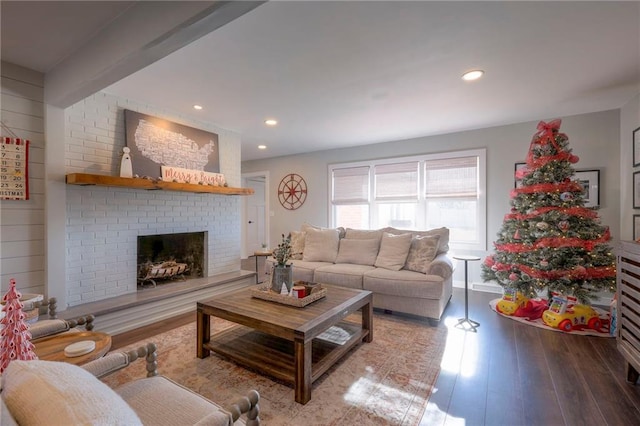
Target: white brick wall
[[103, 223], [22, 222]]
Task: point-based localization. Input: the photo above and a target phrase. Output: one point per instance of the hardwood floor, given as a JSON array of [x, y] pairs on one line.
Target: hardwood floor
[[511, 374]]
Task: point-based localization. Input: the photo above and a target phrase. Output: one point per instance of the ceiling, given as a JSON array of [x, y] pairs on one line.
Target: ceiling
[[344, 74]]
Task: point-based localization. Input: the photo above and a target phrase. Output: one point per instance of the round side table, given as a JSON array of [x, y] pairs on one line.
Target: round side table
[[473, 325]]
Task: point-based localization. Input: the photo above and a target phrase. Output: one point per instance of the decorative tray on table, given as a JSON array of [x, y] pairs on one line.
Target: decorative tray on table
[[314, 291]]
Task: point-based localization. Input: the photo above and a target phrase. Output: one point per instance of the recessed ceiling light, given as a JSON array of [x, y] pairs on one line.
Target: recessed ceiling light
[[472, 75], [198, 107], [262, 147], [271, 122]]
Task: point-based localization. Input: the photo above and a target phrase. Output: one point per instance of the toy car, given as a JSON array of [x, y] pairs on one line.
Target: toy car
[[576, 315], [509, 304]]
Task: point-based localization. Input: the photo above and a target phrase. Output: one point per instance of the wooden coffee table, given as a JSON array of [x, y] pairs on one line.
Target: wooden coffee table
[[295, 345]]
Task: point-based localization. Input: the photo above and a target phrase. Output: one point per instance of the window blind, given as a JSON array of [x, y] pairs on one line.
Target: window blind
[[351, 185], [396, 180], [451, 177]]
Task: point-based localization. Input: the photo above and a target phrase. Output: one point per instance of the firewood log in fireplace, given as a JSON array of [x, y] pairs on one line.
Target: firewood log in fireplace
[[149, 272]]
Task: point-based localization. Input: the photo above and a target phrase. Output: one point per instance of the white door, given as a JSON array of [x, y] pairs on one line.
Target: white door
[[255, 218]]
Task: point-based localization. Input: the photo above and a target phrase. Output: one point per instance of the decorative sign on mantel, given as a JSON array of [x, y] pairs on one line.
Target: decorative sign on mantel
[[198, 177], [14, 169]]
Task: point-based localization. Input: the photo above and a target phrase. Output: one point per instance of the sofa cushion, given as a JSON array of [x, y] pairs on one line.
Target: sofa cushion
[[342, 274], [393, 251], [423, 250], [359, 252], [297, 244], [403, 283], [443, 233], [303, 271], [58, 393], [160, 401], [321, 245]]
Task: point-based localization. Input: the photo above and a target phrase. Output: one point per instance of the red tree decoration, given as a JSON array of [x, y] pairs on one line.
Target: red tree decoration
[[15, 338]]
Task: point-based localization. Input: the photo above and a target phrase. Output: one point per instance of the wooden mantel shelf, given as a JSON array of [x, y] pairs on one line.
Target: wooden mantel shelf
[[140, 183]]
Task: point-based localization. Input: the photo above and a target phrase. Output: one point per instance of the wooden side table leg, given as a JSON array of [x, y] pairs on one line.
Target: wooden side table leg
[[203, 334], [302, 386]]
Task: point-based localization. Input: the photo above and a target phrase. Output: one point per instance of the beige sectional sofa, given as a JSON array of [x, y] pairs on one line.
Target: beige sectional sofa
[[407, 271]]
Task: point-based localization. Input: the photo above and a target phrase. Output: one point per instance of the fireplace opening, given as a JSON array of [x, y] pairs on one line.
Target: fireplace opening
[[170, 257]]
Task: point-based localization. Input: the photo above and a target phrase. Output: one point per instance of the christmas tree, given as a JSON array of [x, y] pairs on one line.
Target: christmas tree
[[550, 241], [15, 338]]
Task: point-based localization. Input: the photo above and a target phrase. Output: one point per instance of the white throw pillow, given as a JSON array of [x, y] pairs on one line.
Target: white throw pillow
[[443, 233], [393, 251], [321, 245], [305, 227], [363, 234], [423, 250], [297, 244], [58, 393], [358, 252]]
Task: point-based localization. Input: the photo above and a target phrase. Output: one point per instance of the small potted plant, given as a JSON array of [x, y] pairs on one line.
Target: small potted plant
[[282, 271]]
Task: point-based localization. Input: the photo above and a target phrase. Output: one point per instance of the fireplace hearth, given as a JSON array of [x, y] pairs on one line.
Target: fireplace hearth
[[169, 257]]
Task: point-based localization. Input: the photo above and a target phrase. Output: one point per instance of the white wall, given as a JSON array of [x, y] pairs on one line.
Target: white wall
[[22, 222], [629, 121], [103, 223], [594, 137]]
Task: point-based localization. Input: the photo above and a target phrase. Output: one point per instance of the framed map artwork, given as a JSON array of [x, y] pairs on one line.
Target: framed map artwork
[[155, 143]]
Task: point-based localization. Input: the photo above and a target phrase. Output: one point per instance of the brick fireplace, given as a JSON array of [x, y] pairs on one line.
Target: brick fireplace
[[103, 226]]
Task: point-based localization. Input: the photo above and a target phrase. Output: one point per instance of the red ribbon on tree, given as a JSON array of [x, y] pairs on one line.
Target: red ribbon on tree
[[571, 211], [554, 242], [545, 134], [595, 272], [546, 130], [578, 273], [570, 186]]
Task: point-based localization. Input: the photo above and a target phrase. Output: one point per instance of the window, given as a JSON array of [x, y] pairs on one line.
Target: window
[[350, 189], [421, 192]]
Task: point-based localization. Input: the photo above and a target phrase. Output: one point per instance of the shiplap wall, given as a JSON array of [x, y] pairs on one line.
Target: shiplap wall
[[22, 223], [103, 223]]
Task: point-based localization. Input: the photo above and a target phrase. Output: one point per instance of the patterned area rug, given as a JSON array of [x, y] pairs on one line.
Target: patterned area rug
[[385, 382]]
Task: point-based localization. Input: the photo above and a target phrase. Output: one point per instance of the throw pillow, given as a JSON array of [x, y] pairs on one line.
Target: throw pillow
[[443, 233], [321, 245], [58, 393], [297, 244], [423, 250], [393, 251], [358, 252], [363, 234], [306, 226]]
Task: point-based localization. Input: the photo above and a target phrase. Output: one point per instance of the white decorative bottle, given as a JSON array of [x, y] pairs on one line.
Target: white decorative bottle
[[126, 169]]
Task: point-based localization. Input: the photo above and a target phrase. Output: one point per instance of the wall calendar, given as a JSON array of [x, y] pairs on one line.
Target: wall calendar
[[14, 171]]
